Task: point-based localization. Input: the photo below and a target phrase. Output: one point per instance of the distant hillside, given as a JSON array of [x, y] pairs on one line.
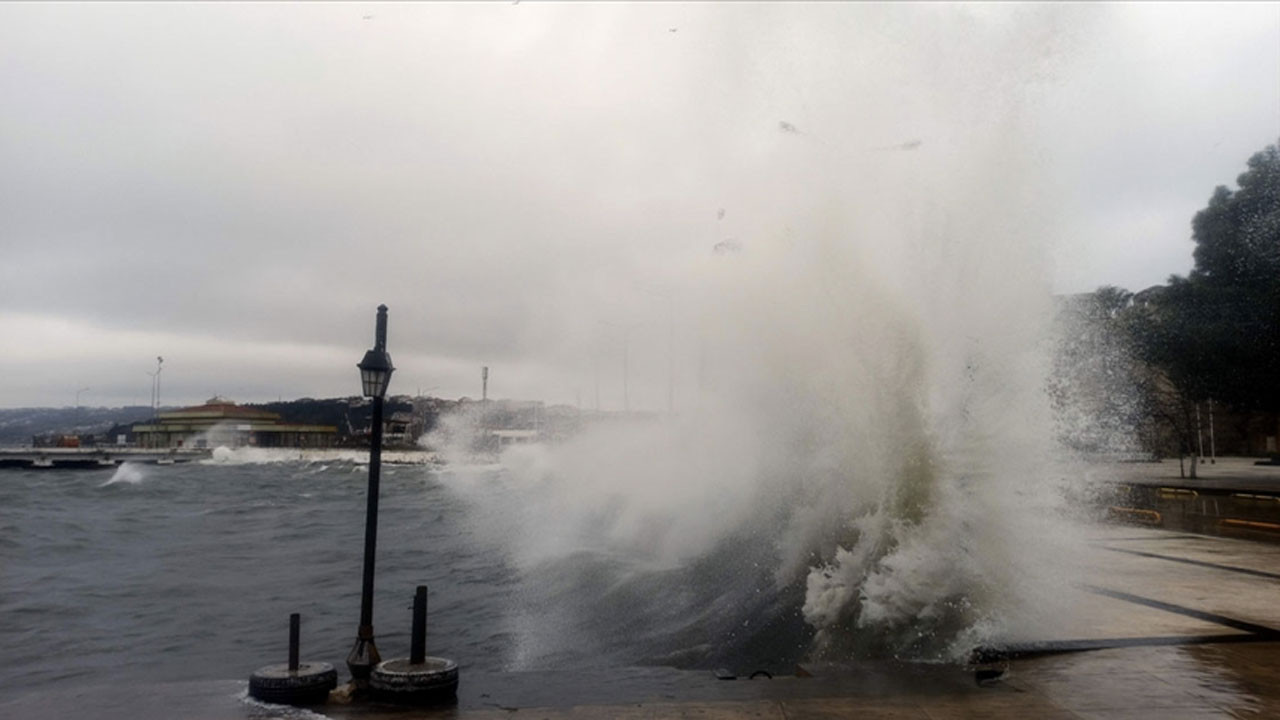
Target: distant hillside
[[351, 416], [18, 425]]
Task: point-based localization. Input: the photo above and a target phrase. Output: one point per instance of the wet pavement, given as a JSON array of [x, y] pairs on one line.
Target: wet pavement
[[1232, 497], [1236, 474]]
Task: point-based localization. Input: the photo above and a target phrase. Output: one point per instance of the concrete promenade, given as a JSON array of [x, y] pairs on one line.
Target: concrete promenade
[[1227, 473]]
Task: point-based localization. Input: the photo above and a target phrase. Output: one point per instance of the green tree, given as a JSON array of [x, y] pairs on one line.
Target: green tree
[[1215, 333], [1231, 301], [1162, 327], [1238, 235]]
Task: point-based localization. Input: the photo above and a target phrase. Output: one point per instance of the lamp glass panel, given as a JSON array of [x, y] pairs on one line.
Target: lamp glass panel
[[374, 382]]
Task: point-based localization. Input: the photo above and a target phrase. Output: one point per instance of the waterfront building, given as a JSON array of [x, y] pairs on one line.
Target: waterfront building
[[220, 422]]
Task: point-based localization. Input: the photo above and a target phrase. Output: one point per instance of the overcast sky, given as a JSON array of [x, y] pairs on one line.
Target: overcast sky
[[237, 186]]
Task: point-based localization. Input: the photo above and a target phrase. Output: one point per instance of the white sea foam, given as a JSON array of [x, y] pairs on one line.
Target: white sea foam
[[246, 455], [223, 455], [258, 710], [129, 473]]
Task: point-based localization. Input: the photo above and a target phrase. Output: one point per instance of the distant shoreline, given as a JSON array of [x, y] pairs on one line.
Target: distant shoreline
[[246, 455]]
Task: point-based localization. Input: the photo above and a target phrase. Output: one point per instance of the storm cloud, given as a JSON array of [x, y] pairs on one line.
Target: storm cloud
[[533, 187]]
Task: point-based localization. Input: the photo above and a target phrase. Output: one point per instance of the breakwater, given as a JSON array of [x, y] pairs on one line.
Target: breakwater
[[73, 458]]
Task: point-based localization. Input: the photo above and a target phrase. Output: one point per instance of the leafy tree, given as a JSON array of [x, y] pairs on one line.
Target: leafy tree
[[1215, 333], [1161, 327], [1238, 235], [1231, 300]]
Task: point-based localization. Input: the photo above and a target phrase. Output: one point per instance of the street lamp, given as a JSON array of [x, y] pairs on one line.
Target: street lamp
[[375, 375]]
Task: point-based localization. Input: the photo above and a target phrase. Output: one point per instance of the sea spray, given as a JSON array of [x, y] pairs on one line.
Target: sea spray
[[258, 710], [224, 455], [848, 485], [128, 473], [863, 461]]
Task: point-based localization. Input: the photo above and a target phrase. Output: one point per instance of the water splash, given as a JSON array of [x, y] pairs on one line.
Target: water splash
[[223, 455], [259, 710], [249, 455], [864, 461], [868, 473], [128, 473]]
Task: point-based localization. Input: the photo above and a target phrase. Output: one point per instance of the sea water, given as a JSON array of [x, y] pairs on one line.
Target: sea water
[[184, 576]]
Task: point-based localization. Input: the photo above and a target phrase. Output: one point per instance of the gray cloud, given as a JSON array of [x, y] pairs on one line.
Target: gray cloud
[[247, 182]]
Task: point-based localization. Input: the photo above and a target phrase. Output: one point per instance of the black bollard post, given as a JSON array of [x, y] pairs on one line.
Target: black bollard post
[[295, 622], [294, 683], [418, 651], [417, 679]]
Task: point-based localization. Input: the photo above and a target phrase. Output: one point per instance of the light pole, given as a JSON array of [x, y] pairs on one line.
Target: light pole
[[81, 390], [626, 360], [375, 374], [1213, 446], [1199, 435], [155, 385], [664, 291], [159, 369]]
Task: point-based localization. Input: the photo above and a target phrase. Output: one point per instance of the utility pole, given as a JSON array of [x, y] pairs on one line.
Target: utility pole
[[81, 390], [671, 358], [484, 383], [1213, 447], [626, 362], [664, 291], [1199, 435], [159, 369], [155, 386]]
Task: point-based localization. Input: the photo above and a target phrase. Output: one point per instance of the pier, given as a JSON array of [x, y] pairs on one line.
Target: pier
[[88, 458]]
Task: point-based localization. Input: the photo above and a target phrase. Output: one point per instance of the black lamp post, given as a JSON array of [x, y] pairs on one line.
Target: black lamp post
[[375, 375]]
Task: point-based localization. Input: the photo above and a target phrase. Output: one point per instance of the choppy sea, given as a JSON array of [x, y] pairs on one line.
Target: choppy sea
[[147, 575], [148, 591]]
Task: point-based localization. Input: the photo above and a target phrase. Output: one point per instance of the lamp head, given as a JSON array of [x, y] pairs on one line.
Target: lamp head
[[375, 373]]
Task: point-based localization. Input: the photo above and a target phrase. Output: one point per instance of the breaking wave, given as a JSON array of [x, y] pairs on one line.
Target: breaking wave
[[865, 462], [128, 473], [869, 473]]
